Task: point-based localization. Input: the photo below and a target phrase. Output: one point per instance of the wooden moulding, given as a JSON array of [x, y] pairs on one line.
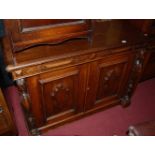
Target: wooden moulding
[[31, 69]]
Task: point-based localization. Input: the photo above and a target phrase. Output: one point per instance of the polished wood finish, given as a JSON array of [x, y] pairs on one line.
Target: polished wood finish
[[57, 95], [147, 26], [143, 24], [6, 123], [149, 71], [31, 23], [104, 74], [27, 33], [102, 38], [63, 82]]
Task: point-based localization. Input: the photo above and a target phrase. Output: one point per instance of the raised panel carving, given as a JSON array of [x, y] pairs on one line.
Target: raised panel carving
[[59, 94], [109, 80]]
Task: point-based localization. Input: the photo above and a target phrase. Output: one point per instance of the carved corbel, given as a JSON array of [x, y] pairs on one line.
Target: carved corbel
[[139, 61], [26, 106], [134, 78], [22, 88], [125, 100]]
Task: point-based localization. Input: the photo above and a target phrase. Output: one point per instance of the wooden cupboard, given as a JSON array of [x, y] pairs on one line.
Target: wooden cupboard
[[60, 95], [68, 80]]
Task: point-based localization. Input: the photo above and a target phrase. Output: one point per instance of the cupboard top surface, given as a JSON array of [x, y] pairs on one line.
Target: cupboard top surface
[[106, 35]]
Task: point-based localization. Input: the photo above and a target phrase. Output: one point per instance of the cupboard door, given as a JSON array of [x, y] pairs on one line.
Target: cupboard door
[[57, 95], [107, 80]]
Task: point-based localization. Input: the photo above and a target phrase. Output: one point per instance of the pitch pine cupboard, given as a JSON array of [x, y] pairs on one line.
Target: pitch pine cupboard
[[67, 69]]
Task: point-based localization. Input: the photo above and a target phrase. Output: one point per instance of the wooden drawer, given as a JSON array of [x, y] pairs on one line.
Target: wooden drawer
[[35, 68]]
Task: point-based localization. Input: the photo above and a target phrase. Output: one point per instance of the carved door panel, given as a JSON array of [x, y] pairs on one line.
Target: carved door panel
[[57, 95], [106, 80]]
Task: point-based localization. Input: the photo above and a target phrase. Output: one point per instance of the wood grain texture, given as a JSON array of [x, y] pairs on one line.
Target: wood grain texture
[[148, 27], [6, 122], [77, 77], [149, 70], [57, 94], [27, 33], [108, 78]]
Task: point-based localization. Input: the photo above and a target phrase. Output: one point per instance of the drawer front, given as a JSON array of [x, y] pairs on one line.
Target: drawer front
[[57, 95], [24, 71]]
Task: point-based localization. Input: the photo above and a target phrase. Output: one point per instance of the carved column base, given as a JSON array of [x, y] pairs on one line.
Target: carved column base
[[33, 130], [137, 69], [125, 101], [26, 106]]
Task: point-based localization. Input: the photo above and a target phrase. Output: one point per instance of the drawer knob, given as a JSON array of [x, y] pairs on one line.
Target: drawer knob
[[1, 110]]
